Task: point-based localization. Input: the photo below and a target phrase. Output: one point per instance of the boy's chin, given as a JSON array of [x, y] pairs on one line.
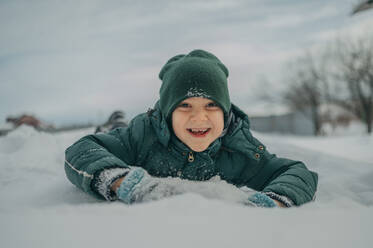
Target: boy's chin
[[199, 148]]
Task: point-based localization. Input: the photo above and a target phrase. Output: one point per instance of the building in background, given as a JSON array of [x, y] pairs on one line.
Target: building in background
[[297, 123], [333, 117]]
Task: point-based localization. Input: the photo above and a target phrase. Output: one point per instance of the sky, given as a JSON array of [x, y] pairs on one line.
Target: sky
[[77, 61]]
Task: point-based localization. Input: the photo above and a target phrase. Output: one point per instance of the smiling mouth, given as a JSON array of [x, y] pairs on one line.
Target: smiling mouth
[[198, 132]]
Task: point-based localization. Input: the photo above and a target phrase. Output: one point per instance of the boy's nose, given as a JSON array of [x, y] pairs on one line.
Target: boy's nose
[[199, 115]]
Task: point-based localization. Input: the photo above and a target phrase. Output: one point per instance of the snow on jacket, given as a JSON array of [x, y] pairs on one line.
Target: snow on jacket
[[237, 157]]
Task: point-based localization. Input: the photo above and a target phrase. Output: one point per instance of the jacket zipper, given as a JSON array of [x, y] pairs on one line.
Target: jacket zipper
[[190, 157]]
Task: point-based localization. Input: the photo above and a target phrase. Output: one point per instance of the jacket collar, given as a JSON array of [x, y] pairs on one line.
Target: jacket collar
[[159, 123], [239, 137]]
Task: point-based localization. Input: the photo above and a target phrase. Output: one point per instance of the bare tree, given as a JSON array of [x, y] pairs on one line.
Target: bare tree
[[353, 68], [307, 87]]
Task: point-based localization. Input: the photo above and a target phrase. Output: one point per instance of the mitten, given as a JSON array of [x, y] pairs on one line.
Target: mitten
[[139, 186], [261, 200], [135, 185]]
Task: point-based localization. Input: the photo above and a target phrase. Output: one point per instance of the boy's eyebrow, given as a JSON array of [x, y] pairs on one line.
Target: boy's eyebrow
[[186, 101]]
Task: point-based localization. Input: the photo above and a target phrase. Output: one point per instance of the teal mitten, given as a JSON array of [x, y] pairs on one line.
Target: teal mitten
[[136, 184], [139, 186], [261, 200]]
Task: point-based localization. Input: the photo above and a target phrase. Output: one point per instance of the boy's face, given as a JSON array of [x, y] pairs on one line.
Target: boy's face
[[198, 122]]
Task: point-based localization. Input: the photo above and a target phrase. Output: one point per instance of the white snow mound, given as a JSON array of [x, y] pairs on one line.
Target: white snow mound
[[41, 208]]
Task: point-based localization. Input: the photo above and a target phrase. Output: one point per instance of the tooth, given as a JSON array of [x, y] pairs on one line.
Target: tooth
[[199, 130]]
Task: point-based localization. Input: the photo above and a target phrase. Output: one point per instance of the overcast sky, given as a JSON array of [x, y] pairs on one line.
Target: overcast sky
[[76, 61]]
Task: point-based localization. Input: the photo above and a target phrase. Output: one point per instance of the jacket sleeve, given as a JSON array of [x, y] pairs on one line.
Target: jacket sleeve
[[92, 154], [284, 177], [287, 178]]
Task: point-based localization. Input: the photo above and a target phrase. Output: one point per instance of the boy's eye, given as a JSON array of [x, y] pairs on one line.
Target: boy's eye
[[183, 105], [212, 105]]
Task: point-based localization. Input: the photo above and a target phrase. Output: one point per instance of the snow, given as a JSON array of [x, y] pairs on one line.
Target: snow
[[41, 208], [353, 128], [353, 147], [6, 126]]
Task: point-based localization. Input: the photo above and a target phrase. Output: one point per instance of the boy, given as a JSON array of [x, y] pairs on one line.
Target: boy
[[193, 133]]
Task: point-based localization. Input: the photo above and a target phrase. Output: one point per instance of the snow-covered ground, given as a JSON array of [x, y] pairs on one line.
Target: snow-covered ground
[[40, 208]]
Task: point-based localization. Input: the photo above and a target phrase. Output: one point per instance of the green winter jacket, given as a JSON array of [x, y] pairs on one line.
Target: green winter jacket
[[237, 157]]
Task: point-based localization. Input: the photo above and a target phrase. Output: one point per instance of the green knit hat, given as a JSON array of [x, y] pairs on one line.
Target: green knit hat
[[197, 74]]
